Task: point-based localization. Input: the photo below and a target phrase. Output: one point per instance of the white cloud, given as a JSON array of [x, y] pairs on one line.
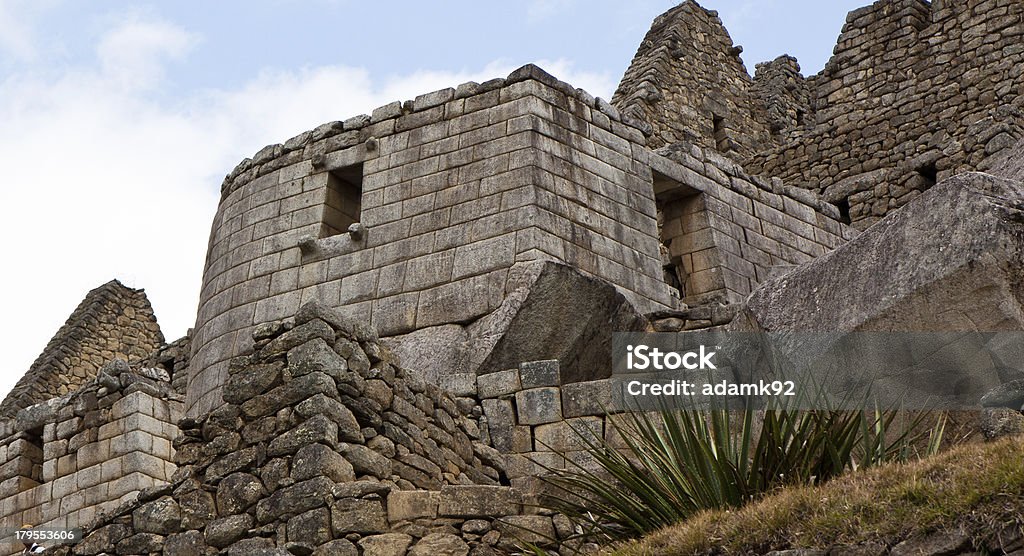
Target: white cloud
[[133, 54], [541, 10], [17, 27], [103, 178]]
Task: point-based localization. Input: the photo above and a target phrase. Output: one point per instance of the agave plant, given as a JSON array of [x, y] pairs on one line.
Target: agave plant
[[674, 463]]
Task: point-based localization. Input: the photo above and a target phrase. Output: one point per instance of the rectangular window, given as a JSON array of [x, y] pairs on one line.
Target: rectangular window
[[344, 194]]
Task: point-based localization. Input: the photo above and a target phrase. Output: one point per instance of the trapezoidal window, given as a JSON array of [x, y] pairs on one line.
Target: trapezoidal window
[[344, 194]]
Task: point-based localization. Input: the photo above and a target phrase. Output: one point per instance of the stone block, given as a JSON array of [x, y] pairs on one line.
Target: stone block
[[534, 529], [459, 384], [223, 532], [351, 515], [496, 385], [320, 404], [534, 374], [477, 501], [407, 505], [365, 461], [436, 544], [312, 527], [573, 434], [500, 419], [537, 406], [161, 517], [295, 499], [96, 453], [586, 398], [484, 256], [136, 402], [316, 460], [387, 544], [316, 429]]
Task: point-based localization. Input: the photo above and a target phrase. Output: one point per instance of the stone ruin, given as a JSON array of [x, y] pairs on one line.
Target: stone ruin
[[406, 317]]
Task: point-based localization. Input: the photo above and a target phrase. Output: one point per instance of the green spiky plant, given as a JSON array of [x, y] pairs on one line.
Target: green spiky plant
[[674, 463]]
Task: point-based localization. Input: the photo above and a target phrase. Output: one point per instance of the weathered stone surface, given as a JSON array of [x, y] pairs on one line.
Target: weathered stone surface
[[477, 501], [311, 528], [581, 399], [536, 529], [102, 539], [440, 544], [351, 515], [141, 543], [285, 395], [348, 427], [934, 544], [535, 374], [317, 459], [524, 327], [1010, 395], [388, 544], [316, 429], [223, 532], [295, 499], [245, 458], [256, 380], [337, 547], [498, 384], [256, 547], [299, 335], [366, 461], [407, 505], [576, 434], [997, 422], [162, 517], [238, 492], [188, 543], [539, 405], [947, 261]]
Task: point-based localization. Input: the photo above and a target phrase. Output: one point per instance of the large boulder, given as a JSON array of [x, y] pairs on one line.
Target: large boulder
[[948, 262], [550, 311]]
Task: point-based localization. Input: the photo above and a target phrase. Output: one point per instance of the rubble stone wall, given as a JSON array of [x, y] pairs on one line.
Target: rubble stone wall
[[688, 82], [112, 322], [914, 93], [322, 444]]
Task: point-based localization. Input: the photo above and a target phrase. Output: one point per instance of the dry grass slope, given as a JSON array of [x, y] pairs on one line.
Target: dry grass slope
[[977, 488]]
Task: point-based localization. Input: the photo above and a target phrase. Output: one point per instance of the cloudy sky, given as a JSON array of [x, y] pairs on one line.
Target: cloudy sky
[[119, 119]]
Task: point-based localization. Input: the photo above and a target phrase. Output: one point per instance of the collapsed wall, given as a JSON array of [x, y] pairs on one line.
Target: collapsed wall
[[914, 93], [112, 322], [688, 83]]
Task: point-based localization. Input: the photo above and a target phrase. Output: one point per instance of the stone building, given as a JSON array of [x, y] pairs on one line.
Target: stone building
[[405, 315]]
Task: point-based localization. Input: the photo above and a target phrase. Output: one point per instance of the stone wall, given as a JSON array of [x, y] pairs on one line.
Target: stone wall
[[112, 322], [322, 444], [457, 186], [66, 461], [725, 232], [688, 83], [913, 94]]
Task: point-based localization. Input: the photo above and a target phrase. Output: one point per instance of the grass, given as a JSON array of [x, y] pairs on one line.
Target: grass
[[978, 488], [677, 463]]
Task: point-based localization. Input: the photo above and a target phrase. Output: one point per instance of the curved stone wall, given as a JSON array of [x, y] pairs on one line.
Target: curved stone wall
[[453, 189]]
